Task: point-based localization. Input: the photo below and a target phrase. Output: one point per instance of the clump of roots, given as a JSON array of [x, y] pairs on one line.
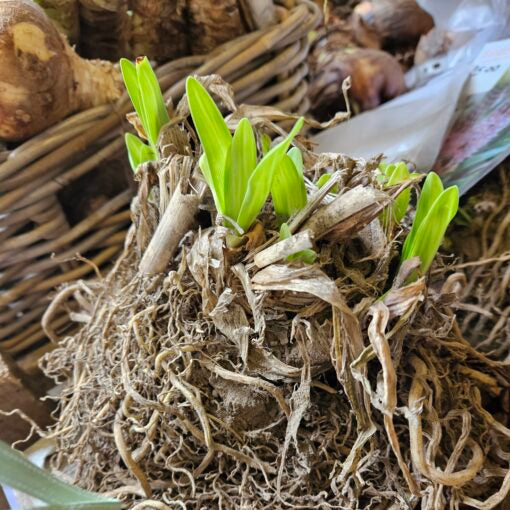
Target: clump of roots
[[224, 384], [484, 259]]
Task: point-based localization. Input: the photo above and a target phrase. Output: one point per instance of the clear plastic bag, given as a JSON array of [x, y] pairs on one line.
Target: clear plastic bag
[[461, 31], [412, 126]]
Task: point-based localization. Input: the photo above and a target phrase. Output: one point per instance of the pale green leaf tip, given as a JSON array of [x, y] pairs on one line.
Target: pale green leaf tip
[[192, 82], [323, 179], [297, 126], [284, 231]]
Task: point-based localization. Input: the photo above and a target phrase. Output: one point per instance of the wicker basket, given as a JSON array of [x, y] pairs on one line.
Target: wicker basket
[[40, 237]]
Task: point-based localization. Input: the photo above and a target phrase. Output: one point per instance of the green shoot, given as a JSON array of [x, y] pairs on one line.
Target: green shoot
[[145, 94], [265, 143], [393, 174], [239, 185], [307, 256], [435, 210], [243, 161], [288, 189], [297, 158], [138, 152], [323, 179], [261, 180]]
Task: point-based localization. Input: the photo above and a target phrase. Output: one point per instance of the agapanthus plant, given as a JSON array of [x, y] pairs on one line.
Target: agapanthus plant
[[145, 93], [392, 174], [239, 185], [435, 210]]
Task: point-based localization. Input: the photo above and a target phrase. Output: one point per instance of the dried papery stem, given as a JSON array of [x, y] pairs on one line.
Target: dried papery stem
[[300, 402], [353, 209], [280, 250], [315, 201], [177, 219], [342, 356]]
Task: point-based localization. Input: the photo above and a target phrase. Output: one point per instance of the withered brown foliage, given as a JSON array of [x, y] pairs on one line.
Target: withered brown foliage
[[220, 383]]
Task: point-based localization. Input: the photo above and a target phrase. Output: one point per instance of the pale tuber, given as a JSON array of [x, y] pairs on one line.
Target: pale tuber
[[42, 79]]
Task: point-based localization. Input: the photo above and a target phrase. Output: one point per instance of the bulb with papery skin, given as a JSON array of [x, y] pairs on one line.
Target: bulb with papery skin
[[376, 23]]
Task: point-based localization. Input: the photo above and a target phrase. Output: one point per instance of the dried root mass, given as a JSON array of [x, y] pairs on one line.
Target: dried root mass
[[221, 385], [484, 227]]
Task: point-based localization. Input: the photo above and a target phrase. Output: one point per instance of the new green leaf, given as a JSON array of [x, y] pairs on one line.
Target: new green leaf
[[265, 143], [396, 174], [431, 190], [130, 78], [242, 164], [214, 136], [435, 210], [288, 190], [431, 231], [155, 112], [239, 185], [138, 152], [143, 89], [297, 158], [259, 184]]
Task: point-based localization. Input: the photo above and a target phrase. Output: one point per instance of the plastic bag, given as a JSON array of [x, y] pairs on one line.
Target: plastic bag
[[461, 30], [412, 127]]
